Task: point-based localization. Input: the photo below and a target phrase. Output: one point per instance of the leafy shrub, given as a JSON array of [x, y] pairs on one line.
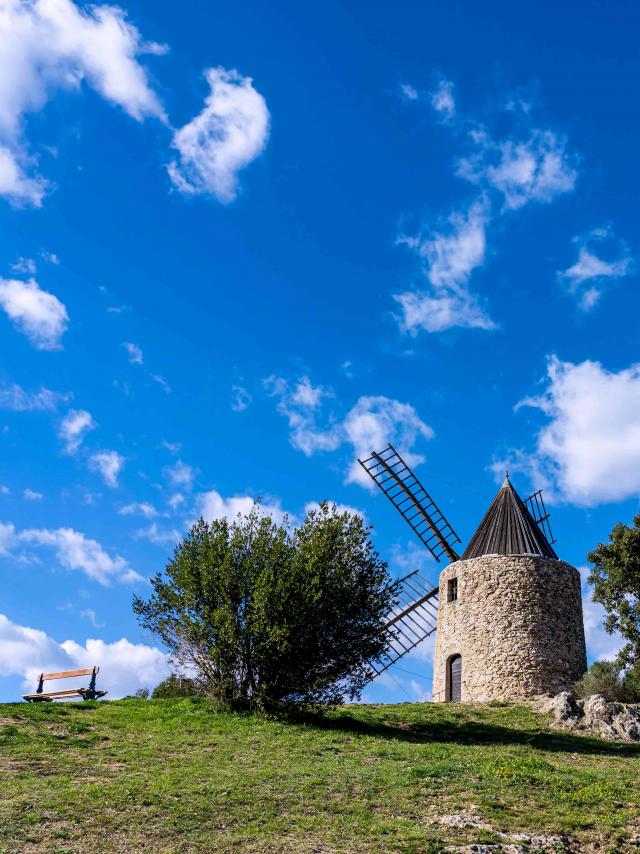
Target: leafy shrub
[[608, 679], [175, 686], [266, 615]]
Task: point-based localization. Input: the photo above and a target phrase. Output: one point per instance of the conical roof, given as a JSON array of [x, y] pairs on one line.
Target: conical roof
[[508, 529]]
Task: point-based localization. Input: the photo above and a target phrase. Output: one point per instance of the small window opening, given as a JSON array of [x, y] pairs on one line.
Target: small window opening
[[452, 590]]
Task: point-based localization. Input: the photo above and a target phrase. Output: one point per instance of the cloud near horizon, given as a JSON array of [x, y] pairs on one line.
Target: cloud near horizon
[[124, 666]]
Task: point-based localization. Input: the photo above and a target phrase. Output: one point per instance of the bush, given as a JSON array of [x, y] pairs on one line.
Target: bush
[[264, 615], [175, 686], [608, 679]]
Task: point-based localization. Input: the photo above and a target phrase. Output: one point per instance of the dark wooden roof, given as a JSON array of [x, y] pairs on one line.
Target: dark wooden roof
[[508, 529]]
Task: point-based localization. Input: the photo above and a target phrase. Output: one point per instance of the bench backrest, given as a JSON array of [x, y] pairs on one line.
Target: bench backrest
[[66, 674]]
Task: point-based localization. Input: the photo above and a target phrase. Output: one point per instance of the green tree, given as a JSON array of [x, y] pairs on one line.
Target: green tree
[[263, 614], [616, 585]]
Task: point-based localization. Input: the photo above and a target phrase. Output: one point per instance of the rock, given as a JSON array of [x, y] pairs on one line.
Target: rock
[[566, 708], [612, 721]]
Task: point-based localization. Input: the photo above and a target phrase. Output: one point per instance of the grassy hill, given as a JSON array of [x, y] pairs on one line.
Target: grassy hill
[[176, 775]]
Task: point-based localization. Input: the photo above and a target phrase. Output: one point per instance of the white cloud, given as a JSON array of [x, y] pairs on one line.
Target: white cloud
[[593, 269], [30, 495], [134, 352], [49, 257], [50, 45], [166, 388], [240, 398], [37, 314], [443, 100], [211, 505], [340, 508], [74, 427], [176, 500], [91, 615], [15, 185], [4, 490], [7, 538], [229, 133], [124, 666], [15, 398], [172, 447], [409, 92], [24, 266], [450, 256], [75, 551], [600, 644], [299, 403], [108, 464], [591, 443], [374, 422], [159, 536], [181, 474], [142, 508], [533, 168]]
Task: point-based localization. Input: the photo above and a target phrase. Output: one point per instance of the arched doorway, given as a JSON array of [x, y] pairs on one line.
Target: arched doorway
[[454, 679]]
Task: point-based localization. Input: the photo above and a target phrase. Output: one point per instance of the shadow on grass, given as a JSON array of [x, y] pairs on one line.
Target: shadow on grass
[[469, 732]]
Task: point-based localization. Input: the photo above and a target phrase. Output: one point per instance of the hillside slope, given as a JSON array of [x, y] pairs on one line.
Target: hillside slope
[[175, 775]]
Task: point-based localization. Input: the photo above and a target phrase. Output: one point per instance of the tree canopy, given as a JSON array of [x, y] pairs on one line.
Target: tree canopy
[[261, 613], [616, 583]]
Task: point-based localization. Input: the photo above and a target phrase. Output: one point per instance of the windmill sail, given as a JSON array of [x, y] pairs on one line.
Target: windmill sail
[[414, 618], [535, 506], [394, 477]]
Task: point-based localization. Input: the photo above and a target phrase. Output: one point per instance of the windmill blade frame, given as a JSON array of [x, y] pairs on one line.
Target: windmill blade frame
[[396, 480], [414, 620], [536, 506]]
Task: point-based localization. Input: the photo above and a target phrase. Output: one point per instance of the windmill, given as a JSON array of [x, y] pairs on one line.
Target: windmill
[[415, 617]]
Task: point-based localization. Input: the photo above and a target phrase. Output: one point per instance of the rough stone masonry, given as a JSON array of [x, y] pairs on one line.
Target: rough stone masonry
[[516, 622]]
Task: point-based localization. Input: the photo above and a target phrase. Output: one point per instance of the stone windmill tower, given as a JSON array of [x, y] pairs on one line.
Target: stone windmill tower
[[508, 612]]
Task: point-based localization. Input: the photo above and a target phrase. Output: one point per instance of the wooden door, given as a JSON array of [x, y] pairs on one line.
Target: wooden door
[[455, 679]]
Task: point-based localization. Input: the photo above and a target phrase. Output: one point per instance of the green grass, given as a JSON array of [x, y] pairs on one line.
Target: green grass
[[177, 775]]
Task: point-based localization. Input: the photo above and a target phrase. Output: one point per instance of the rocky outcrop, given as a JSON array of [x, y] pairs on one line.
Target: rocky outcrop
[[612, 721]]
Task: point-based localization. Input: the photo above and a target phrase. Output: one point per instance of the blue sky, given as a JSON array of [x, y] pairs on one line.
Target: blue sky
[[243, 244]]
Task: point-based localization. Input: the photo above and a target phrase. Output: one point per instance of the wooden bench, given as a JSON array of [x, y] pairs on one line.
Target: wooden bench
[[90, 693]]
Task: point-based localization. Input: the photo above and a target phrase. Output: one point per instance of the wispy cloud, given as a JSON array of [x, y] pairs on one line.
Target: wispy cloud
[[534, 166], [443, 100], [32, 495], [589, 275], [139, 508], [16, 399], [299, 403], [527, 164], [134, 353], [240, 398], [180, 474], [450, 254], [74, 427], [74, 551], [372, 422], [108, 464]]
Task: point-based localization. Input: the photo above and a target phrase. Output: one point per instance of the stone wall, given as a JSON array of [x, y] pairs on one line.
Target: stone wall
[[517, 623]]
